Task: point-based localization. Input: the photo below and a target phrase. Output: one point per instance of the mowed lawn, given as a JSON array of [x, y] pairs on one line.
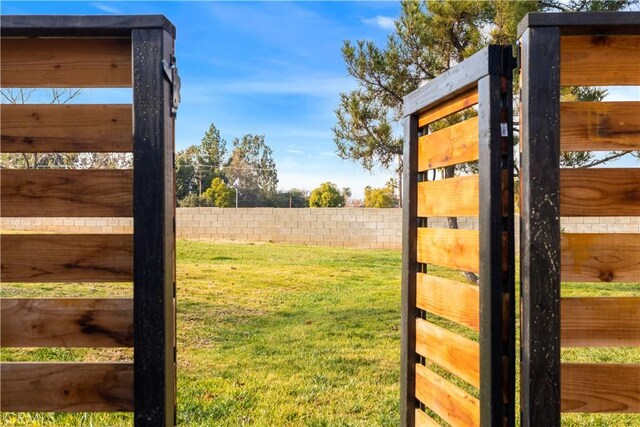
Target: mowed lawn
[[282, 335]]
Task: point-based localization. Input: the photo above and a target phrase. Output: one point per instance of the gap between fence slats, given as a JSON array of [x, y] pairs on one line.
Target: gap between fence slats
[[599, 60], [66, 257], [67, 193], [600, 192], [587, 257], [67, 387], [65, 62], [424, 420], [37, 128], [600, 387], [66, 322], [599, 126], [449, 146], [454, 353], [435, 294], [459, 249], [451, 403]]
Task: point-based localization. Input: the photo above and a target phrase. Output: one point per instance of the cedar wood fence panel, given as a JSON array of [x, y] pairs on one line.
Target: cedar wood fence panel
[[563, 50], [78, 52], [455, 332]]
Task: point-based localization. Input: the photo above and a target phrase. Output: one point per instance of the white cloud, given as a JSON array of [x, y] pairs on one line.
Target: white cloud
[[107, 8], [313, 86], [384, 22], [289, 150]]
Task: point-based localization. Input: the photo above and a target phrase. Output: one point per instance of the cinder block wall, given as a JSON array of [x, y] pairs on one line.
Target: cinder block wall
[[340, 227]]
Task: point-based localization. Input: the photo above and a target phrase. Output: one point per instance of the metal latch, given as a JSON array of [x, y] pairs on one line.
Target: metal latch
[[171, 73]]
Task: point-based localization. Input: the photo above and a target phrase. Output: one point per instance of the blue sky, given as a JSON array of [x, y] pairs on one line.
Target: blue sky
[[270, 68]]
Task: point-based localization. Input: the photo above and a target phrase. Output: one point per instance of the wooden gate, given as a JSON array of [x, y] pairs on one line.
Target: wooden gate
[[92, 52], [458, 337], [560, 50]]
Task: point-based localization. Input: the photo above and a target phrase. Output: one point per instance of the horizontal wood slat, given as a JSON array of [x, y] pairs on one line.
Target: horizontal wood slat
[[65, 62], [66, 322], [66, 257], [600, 192], [449, 146], [599, 126], [600, 387], [450, 351], [67, 387], [67, 193], [600, 322], [599, 60], [451, 403], [449, 197], [35, 128], [424, 420], [459, 249], [435, 295], [600, 257], [444, 109]]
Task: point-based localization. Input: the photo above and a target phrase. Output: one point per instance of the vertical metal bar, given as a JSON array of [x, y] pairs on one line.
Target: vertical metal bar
[[154, 233], [409, 269], [540, 227]]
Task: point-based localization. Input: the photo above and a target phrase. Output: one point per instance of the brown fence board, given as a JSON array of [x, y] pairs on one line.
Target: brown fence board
[[67, 387], [599, 126], [66, 322], [66, 62], [454, 105], [600, 322], [66, 257], [451, 403], [449, 197], [459, 249], [599, 60], [424, 420], [36, 128], [67, 193], [600, 192], [600, 387], [435, 295], [456, 354], [600, 257], [449, 146]]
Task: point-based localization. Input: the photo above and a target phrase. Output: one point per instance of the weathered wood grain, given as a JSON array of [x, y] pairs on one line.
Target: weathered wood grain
[[600, 387], [600, 192], [600, 257], [451, 403], [37, 128], [449, 197], [450, 351], [435, 295], [454, 105], [599, 60], [66, 62], [66, 257], [599, 126], [600, 322], [67, 193], [459, 249], [449, 146], [66, 387], [66, 322]]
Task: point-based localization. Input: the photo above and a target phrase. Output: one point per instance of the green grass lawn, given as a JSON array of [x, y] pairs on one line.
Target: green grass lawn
[[278, 335]]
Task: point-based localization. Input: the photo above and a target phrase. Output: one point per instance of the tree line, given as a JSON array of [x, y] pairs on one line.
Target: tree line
[[209, 174]]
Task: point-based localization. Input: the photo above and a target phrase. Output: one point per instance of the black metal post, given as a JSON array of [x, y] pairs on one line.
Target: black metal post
[[154, 231], [409, 270], [540, 227]]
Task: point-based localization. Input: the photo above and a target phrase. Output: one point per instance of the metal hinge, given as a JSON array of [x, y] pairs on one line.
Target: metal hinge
[[171, 73]]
